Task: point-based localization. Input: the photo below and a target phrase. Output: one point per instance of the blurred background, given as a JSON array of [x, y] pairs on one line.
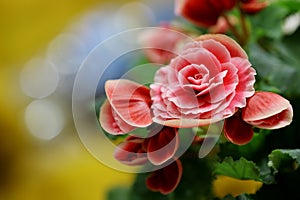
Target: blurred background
[[42, 44]]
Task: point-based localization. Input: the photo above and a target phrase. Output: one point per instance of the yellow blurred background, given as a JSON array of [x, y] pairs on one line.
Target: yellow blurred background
[[31, 168]]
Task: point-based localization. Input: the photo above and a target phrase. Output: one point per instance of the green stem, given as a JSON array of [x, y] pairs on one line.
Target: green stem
[[245, 29], [233, 30]]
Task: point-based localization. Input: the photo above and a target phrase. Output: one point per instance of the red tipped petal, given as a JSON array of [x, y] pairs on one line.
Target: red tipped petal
[[131, 152], [131, 101], [279, 120], [111, 123], [165, 180], [163, 146], [254, 6], [232, 46], [268, 110], [237, 131], [200, 13]]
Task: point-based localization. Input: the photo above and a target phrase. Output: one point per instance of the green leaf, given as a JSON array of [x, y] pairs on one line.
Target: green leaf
[[266, 174], [268, 22], [284, 160], [248, 151], [196, 181], [291, 5], [240, 169], [275, 71]]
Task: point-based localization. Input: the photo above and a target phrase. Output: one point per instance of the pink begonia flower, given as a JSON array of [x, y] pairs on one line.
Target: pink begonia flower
[[253, 6], [203, 13], [264, 110], [160, 44], [127, 107], [158, 148], [206, 83], [165, 180]]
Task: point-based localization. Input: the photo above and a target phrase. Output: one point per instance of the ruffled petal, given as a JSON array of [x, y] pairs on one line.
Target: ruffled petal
[[232, 46], [217, 49], [187, 123], [165, 180]]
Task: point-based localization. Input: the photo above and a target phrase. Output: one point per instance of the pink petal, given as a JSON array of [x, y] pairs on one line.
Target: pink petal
[[244, 89], [131, 152], [232, 46], [237, 131], [199, 56], [161, 49], [186, 123], [131, 101], [163, 145], [268, 110], [217, 49], [182, 97], [111, 123], [165, 180]]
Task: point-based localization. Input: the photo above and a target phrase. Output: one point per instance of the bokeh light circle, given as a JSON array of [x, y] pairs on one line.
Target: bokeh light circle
[[44, 119], [39, 78]]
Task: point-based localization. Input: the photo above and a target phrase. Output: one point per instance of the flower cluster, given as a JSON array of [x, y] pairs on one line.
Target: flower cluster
[[208, 81]]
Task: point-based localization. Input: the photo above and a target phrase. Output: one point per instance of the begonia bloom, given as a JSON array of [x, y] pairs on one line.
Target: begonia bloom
[[206, 83]]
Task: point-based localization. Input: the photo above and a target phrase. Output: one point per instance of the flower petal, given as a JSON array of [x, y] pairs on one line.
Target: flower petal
[[232, 46], [268, 110], [131, 152], [110, 121], [163, 145], [217, 49], [198, 12], [237, 131], [130, 100], [254, 6], [165, 180], [187, 123]]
